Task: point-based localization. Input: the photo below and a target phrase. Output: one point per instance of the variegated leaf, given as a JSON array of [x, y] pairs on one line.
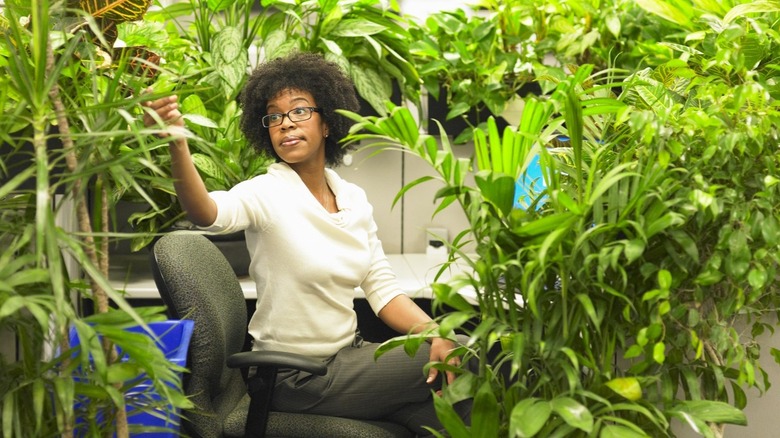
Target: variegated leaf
[[116, 10]]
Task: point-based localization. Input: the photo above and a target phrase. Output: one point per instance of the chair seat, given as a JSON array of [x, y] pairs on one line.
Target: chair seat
[[290, 425]]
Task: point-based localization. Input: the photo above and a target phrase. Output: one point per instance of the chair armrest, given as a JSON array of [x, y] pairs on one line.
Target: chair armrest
[[276, 359]]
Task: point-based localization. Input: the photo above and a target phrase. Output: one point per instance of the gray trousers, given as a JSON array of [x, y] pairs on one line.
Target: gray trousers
[[392, 388]]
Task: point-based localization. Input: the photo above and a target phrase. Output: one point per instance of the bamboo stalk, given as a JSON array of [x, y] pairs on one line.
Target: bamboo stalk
[[85, 227]]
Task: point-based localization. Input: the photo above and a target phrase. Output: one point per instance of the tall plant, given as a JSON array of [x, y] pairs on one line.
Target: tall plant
[[617, 305], [65, 115], [204, 50]]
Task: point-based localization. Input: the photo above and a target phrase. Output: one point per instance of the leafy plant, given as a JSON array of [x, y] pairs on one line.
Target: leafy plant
[[617, 306], [206, 63], [472, 61], [65, 115], [367, 38]]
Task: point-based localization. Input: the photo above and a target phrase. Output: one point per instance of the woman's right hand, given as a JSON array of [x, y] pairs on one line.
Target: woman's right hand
[[167, 109], [189, 186]]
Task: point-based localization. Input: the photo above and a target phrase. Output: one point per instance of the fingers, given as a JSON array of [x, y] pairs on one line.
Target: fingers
[[441, 351], [167, 109], [432, 373]]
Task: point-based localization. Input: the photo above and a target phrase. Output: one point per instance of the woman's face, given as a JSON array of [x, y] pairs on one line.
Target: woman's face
[[298, 143]]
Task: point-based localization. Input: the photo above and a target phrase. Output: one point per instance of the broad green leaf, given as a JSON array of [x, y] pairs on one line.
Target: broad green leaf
[[544, 225], [356, 27], [228, 47], [677, 12], [573, 413], [711, 411], [627, 387], [218, 5], [498, 189], [207, 166], [373, 87], [737, 260], [753, 7], [484, 414], [619, 431], [757, 277], [192, 105], [450, 419], [122, 372], [634, 249], [528, 417]]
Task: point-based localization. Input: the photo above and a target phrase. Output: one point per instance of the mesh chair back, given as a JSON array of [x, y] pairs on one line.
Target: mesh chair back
[[196, 282]]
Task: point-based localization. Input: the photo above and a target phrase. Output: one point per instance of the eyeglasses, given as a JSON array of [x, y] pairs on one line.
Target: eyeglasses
[[299, 114]]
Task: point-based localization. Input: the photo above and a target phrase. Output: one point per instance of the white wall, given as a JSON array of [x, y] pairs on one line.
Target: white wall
[[402, 229]]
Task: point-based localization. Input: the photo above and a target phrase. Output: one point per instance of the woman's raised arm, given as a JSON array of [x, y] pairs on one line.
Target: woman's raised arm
[[189, 186]]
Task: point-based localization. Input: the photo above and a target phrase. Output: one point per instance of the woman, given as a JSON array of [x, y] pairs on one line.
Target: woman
[[312, 240]]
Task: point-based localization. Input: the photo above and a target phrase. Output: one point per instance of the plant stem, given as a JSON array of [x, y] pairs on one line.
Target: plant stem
[[85, 225]]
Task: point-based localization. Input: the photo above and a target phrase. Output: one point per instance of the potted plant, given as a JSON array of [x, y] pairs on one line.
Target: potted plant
[[368, 39], [57, 73], [469, 66], [615, 308], [204, 50]]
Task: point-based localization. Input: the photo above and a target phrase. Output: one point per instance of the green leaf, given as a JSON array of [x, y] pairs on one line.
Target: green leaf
[[200, 120], [757, 277], [752, 7], [711, 411], [208, 166], [193, 105], [737, 260], [618, 431], [627, 387], [528, 417], [679, 13], [634, 249], [659, 352], [121, 372], [613, 24], [664, 279], [573, 413], [356, 27], [373, 87], [484, 414], [228, 47], [450, 419], [590, 310], [498, 189], [544, 225]]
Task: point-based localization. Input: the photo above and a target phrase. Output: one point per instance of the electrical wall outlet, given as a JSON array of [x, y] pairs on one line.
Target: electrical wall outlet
[[436, 237]]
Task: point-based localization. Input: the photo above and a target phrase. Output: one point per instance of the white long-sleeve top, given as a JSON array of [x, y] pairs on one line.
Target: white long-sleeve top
[[305, 261]]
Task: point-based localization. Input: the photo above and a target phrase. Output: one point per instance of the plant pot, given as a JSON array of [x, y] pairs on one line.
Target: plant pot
[[174, 341]]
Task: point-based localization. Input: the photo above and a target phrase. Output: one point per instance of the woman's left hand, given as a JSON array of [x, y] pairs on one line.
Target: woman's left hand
[[440, 351]]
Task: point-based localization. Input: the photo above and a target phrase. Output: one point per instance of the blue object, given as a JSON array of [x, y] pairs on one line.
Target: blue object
[[529, 185], [173, 338]]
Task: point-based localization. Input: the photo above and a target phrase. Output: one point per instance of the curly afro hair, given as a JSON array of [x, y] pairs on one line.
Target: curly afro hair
[[331, 88]]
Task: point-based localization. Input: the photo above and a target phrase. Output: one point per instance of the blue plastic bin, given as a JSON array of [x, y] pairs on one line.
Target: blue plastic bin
[[174, 340]]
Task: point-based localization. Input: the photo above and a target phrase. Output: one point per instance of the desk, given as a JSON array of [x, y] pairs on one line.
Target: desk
[[133, 274]]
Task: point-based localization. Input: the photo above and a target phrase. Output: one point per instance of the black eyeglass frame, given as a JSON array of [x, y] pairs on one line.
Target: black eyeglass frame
[[266, 118]]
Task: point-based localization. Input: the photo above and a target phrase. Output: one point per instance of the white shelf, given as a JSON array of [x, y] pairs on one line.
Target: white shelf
[[133, 275]]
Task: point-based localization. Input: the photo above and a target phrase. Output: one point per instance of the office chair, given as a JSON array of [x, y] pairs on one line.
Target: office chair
[[196, 282]]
